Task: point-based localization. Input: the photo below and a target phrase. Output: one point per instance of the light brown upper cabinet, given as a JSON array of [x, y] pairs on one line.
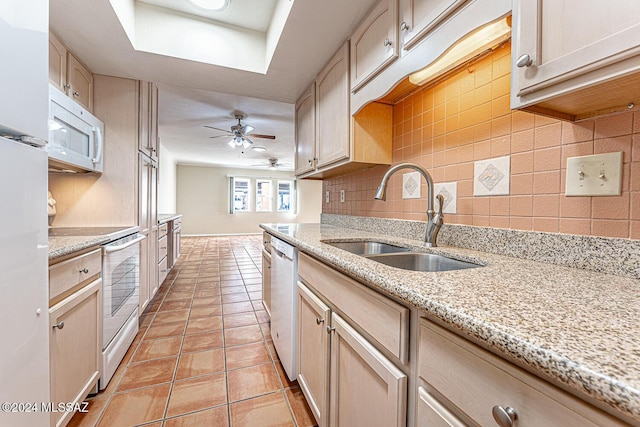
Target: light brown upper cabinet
[[306, 131], [69, 74], [148, 124], [374, 44], [332, 110], [419, 17], [570, 74], [342, 143]]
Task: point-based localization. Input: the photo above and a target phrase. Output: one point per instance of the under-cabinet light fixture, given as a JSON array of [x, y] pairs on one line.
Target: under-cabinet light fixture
[[484, 38]]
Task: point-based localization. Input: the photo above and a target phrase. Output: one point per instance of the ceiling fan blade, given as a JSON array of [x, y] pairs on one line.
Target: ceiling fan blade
[[257, 135], [221, 130], [220, 136]]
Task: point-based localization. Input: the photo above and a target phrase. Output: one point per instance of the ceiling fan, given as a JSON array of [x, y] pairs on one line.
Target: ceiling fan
[[272, 164], [240, 133]]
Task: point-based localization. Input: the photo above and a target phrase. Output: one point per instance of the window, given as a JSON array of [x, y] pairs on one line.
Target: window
[[264, 195], [240, 195], [285, 196], [271, 195]]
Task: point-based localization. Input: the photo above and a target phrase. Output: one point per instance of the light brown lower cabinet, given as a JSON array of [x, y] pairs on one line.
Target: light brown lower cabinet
[[75, 338], [353, 383], [463, 384]]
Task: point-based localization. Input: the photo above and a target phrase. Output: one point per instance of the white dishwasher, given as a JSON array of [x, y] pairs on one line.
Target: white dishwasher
[[284, 277]]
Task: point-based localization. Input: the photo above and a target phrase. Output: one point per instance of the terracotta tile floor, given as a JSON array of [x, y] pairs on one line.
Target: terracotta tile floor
[[204, 355]]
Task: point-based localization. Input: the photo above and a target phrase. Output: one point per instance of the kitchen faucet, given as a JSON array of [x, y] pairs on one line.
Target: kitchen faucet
[[434, 220]]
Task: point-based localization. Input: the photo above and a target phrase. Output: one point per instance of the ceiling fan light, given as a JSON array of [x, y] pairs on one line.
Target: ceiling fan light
[[247, 128], [213, 5], [232, 143], [245, 143]]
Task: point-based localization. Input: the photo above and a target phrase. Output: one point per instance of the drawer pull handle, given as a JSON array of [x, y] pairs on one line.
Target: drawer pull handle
[[387, 42], [404, 26], [319, 321], [84, 270], [504, 417], [524, 61], [59, 325], [330, 329]]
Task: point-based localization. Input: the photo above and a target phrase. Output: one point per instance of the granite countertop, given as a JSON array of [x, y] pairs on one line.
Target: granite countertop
[[578, 328], [60, 246], [162, 218]]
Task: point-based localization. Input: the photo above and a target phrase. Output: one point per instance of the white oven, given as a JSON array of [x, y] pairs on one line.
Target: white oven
[[120, 294]]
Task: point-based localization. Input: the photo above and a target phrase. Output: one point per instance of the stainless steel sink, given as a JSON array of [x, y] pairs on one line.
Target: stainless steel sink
[[422, 262], [368, 248]]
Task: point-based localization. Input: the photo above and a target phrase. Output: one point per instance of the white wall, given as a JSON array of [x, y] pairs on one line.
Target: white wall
[[203, 199], [166, 182]]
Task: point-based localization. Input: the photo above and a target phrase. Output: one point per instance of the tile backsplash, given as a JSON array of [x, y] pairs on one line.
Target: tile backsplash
[[465, 119]]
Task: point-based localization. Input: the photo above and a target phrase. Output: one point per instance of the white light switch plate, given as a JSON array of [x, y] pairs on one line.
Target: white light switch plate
[[341, 196], [326, 196], [596, 175]]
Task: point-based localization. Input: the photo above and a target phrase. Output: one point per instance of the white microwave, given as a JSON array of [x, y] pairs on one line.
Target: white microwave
[[76, 137]]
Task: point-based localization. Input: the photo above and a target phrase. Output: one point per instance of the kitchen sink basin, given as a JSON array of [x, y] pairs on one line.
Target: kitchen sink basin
[[422, 262], [368, 248]]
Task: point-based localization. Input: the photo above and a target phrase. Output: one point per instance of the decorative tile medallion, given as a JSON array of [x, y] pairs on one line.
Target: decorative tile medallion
[[491, 176], [449, 191], [411, 185]]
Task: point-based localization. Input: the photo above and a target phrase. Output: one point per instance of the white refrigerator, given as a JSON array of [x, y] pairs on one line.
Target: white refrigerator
[[24, 336]]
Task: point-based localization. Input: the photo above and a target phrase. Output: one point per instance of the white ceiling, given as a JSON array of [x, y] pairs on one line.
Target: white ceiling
[[313, 31]]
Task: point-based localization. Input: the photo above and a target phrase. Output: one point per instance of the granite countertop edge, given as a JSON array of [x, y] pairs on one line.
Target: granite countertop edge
[[498, 321], [163, 218], [61, 246]]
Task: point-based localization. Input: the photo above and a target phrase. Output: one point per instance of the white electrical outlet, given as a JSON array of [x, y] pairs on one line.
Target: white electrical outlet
[[326, 196], [341, 196], [596, 175]]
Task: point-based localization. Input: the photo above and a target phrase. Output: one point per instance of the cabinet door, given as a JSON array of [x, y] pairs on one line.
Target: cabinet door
[[419, 17], [306, 131], [80, 81], [153, 262], [332, 110], [144, 181], [375, 43], [545, 31], [153, 120], [431, 413], [366, 388], [266, 281], [57, 63], [75, 339], [144, 291], [144, 117], [313, 352]]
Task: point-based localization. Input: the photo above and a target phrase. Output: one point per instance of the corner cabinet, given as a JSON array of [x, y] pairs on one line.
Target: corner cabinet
[[341, 143], [571, 74], [332, 110], [344, 367]]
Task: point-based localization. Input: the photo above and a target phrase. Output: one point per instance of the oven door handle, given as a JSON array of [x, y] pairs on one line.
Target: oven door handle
[[109, 249]]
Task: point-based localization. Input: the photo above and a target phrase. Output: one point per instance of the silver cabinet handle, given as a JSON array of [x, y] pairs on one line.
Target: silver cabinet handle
[[76, 93], [524, 61], [387, 42], [504, 417], [84, 270], [66, 86], [330, 329], [404, 26], [59, 325], [319, 320]]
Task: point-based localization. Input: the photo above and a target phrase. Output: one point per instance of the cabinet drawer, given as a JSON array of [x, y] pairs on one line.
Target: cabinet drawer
[[162, 270], [475, 381], [162, 247], [384, 320], [163, 229], [67, 275]]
